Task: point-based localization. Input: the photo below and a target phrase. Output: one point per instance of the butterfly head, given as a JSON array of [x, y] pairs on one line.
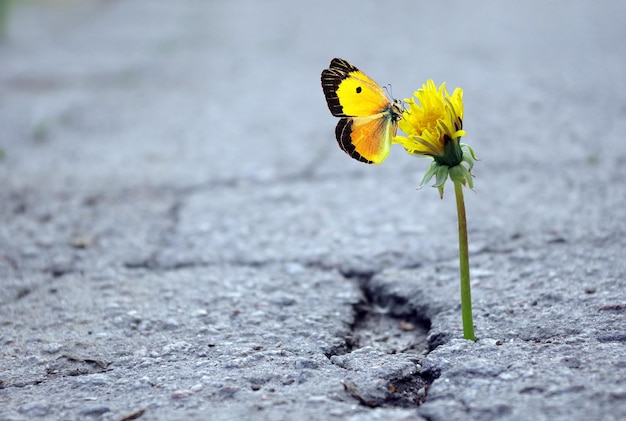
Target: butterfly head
[[397, 108]]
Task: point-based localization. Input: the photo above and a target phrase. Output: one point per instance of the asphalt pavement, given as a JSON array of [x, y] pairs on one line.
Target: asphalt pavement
[[182, 238]]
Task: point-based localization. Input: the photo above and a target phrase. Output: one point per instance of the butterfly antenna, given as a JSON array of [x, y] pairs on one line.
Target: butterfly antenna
[[388, 90]]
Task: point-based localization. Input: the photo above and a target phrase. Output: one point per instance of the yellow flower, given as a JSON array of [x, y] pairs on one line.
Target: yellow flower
[[433, 124], [432, 119]]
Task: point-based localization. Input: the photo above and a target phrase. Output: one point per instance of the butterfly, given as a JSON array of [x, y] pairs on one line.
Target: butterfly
[[368, 119]]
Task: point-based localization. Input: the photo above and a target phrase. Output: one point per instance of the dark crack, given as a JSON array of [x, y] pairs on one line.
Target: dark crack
[[391, 337], [386, 322]]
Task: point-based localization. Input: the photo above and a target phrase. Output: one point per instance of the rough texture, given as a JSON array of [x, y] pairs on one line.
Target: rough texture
[[181, 238]]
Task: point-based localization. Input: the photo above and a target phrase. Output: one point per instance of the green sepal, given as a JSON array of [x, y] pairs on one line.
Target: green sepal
[[471, 151], [429, 174], [440, 188], [469, 160], [469, 157], [440, 168], [460, 174], [441, 175]]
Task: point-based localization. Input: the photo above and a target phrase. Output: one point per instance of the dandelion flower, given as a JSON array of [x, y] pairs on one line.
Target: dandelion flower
[[433, 124]]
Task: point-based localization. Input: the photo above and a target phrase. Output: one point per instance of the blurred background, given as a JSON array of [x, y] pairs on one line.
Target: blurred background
[[110, 94]]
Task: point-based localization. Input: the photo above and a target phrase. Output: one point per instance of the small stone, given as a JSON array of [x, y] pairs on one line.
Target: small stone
[[52, 348], [134, 316], [407, 326], [98, 379], [180, 346], [228, 392], [94, 411], [490, 341], [35, 409], [294, 268], [305, 363], [200, 313], [338, 360], [82, 241], [181, 393], [572, 362], [196, 387], [34, 360], [171, 324], [133, 415], [143, 383]]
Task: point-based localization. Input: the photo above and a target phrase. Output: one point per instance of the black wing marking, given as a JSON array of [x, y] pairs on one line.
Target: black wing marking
[[338, 70], [342, 133]]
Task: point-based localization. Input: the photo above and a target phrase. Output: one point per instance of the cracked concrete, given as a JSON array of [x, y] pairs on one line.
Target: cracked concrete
[[181, 238]]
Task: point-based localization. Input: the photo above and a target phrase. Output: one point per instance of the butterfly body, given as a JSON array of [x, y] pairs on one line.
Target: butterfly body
[[368, 120]]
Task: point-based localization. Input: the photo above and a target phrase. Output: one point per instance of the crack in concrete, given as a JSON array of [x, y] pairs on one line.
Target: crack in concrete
[[306, 174], [403, 335], [375, 326], [400, 331]]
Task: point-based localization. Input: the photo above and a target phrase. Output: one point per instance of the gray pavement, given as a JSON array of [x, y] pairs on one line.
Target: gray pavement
[[181, 237]]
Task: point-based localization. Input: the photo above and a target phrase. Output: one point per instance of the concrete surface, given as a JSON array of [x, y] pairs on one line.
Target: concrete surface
[[181, 237]]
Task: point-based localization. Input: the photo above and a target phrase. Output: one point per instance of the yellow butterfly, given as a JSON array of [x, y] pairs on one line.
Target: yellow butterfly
[[368, 119]]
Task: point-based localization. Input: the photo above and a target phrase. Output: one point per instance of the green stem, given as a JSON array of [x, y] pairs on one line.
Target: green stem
[[466, 293]]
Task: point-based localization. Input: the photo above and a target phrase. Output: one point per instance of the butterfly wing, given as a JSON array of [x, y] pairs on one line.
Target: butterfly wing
[[369, 121], [351, 93], [367, 139]]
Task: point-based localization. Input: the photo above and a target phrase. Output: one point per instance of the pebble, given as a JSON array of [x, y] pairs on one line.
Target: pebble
[[33, 360], [94, 411], [35, 409], [93, 379], [305, 363], [171, 324], [98, 379], [52, 348], [143, 383], [134, 316], [181, 393], [180, 346], [200, 313]]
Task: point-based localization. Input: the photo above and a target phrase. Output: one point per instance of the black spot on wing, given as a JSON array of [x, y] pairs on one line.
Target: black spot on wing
[[342, 133]]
